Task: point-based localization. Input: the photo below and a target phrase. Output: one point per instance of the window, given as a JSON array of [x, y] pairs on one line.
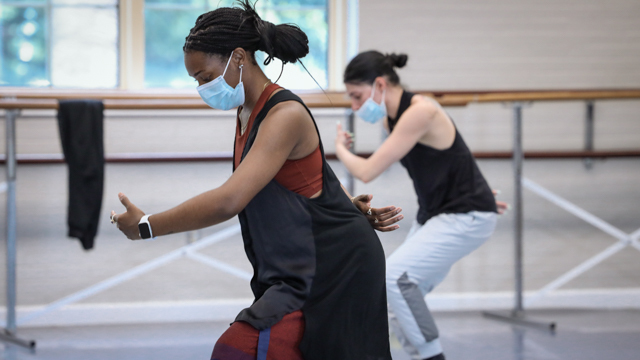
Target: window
[[23, 60], [76, 43], [62, 43], [167, 23]]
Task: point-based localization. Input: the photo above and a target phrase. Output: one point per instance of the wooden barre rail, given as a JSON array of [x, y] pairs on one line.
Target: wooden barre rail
[[227, 156], [565, 95], [331, 100], [19, 98]]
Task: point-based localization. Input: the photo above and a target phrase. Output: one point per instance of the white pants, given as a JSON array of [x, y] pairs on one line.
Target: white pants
[[421, 263]]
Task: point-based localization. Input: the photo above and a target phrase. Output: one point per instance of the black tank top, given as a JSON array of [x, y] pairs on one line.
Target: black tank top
[[446, 181], [317, 255]]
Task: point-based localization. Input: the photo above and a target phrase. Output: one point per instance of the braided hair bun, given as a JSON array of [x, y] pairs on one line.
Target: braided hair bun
[[222, 30], [285, 41]]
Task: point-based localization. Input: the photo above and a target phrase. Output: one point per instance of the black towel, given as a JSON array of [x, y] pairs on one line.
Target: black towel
[[81, 132]]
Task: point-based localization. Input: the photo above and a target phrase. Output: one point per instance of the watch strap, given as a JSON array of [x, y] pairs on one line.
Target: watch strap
[[144, 227]]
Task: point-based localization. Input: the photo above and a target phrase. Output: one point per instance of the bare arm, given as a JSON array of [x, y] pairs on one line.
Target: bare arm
[[413, 125], [279, 134]]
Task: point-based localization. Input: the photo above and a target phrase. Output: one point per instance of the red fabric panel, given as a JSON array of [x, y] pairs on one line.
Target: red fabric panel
[[240, 341], [302, 176]]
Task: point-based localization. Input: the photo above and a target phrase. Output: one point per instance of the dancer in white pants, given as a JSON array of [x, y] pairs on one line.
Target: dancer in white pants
[[421, 263], [457, 209]]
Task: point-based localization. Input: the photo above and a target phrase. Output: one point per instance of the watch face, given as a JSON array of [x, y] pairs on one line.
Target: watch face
[[145, 231]]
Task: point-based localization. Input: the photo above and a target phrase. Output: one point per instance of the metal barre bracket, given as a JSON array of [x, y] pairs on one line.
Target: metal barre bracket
[[9, 337], [519, 318]]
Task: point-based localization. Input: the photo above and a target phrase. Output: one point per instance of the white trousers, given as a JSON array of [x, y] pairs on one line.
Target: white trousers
[[421, 263]]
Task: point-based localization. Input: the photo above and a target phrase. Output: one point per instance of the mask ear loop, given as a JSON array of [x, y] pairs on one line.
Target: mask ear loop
[[373, 92], [228, 62], [281, 71]]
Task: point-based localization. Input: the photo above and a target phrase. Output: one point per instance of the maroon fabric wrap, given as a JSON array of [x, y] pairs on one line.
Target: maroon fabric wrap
[[240, 341]]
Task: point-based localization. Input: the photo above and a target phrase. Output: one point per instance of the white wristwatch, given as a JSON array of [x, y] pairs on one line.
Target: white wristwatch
[[145, 228]]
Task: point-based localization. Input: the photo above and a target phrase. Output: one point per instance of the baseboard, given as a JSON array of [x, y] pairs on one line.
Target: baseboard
[[227, 309], [579, 299]]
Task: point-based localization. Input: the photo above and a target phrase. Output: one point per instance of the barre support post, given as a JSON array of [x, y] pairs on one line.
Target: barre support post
[[517, 315], [517, 204], [8, 334], [588, 132], [10, 119], [350, 126]]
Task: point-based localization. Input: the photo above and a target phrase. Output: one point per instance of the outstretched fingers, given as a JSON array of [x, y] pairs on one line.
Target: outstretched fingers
[[382, 219]]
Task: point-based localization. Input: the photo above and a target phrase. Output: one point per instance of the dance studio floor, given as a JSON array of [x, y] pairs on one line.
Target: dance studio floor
[[581, 335], [51, 266]]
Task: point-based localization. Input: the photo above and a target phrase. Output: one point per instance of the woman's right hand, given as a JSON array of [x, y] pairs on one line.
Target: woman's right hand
[[127, 222], [381, 219], [343, 138]]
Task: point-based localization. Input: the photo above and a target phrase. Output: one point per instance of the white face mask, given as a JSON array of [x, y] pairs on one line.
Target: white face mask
[[371, 111], [219, 95]]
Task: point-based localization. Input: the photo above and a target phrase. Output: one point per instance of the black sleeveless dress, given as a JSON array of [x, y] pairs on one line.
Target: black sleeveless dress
[[320, 256], [446, 181]]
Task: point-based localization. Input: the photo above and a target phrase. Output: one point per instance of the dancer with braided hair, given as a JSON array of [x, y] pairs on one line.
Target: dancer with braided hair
[[318, 264], [457, 210]]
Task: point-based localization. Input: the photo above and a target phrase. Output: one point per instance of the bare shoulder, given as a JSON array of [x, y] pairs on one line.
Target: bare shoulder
[[425, 105], [287, 121], [291, 113], [421, 110], [440, 132]]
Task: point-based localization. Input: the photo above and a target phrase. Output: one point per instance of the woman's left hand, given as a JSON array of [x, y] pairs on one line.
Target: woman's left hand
[[500, 205], [381, 219], [127, 222], [343, 138]]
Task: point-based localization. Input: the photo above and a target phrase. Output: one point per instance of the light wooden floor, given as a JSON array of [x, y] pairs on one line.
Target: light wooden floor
[[50, 265], [581, 334]]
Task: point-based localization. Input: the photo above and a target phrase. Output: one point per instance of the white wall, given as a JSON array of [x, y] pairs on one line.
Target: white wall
[[518, 45], [485, 127], [507, 44]]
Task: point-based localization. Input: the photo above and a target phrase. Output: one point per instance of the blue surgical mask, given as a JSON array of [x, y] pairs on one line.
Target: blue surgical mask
[[219, 95], [371, 111]]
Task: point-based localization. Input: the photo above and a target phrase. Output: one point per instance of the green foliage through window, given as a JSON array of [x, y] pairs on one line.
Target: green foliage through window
[[167, 23], [64, 43], [23, 40]]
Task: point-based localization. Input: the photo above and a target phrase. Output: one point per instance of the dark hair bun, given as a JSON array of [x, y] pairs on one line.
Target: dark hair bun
[[285, 41], [368, 65], [397, 60], [222, 30]]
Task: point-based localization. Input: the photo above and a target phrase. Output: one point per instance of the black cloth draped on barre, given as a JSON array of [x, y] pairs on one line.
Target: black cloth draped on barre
[[81, 133]]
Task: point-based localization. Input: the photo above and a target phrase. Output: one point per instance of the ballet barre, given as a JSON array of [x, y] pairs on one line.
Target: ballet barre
[[16, 99], [13, 102], [21, 98]]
